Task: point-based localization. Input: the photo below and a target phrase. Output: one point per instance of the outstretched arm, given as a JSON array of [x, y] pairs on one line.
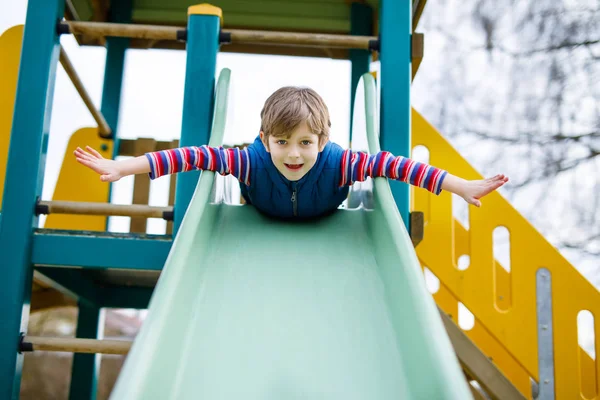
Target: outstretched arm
[[224, 161], [111, 170], [357, 166]]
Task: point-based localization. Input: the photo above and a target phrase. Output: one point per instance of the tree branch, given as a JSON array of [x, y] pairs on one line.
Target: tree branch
[[538, 138], [549, 49]]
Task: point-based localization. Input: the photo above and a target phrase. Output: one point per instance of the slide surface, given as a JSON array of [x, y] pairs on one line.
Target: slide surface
[[252, 308]]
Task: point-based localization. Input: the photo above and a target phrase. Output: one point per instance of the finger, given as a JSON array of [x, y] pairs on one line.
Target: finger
[[108, 178], [89, 164], [83, 154], [475, 202], [94, 152], [84, 161]]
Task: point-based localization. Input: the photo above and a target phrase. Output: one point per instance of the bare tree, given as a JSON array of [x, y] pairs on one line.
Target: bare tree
[[515, 85]]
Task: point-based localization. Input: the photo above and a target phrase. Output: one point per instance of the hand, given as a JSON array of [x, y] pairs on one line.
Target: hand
[[472, 191], [108, 169]]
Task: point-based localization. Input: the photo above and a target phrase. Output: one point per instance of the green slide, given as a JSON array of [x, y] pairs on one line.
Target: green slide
[[252, 308]]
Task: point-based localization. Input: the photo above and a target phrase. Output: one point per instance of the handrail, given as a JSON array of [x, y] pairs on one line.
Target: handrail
[[105, 130], [74, 345], [440, 362], [163, 302], [105, 209], [236, 36]]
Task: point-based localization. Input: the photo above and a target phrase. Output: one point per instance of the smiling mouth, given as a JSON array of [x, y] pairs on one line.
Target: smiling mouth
[[294, 167]]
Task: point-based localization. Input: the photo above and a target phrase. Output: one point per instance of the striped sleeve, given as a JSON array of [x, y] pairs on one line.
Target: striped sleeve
[[231, 161], [357, 166]]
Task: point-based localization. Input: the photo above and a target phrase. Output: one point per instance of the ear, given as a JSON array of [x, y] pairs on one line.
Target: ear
[[263, 138], [322, 144]]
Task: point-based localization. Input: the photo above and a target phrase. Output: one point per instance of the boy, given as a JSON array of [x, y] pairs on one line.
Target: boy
[[292, 170]]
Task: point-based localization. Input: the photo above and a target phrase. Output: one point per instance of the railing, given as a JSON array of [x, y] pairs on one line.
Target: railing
[[526, 315]]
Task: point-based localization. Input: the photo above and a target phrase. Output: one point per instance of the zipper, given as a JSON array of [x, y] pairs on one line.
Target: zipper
[[295, 200]]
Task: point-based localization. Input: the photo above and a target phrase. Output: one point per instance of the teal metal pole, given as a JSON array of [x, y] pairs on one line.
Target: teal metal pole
[[23, 183], [202, 47], [120, 12], [361, 23], [89, 326], [395, 42]]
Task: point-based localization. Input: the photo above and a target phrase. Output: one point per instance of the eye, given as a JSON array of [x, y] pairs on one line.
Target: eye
[[281, 142], [306, 142]]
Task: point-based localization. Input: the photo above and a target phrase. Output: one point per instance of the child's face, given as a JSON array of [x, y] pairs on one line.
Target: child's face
[[295, 155]]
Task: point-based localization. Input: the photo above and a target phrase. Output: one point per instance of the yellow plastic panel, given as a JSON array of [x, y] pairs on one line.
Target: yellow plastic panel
[[78, 183], [588, 378], [10, 54], [516, 327], [486, 343]]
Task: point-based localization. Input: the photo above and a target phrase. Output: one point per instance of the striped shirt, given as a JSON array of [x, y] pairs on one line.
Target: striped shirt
[[355, 166]]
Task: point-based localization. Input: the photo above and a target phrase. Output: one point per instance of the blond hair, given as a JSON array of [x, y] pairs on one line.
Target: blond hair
[[288, 107]]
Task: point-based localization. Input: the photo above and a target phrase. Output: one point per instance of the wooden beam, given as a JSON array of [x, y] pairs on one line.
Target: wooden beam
[[477, 365], [172, 186], [73, 345], [141, 185], [418, 7], [417, 50], [105, 209], [103, 127], [44, 299], [417, 227]]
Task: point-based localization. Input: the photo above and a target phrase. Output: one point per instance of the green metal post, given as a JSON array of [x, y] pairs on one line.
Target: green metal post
[[361, 23], [202, 47], [89, 326], [116, 47], [120, 12], [23, 183], [395, 36]]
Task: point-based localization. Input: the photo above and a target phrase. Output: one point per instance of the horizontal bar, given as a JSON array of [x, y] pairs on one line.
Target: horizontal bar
[[236, 36], [301, 39], [106, 209], [133, 31], [100, 250], [74, 345], [103, 127]]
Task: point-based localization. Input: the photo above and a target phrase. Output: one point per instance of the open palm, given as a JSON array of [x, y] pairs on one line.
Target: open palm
[[108, 169], [475, 190]]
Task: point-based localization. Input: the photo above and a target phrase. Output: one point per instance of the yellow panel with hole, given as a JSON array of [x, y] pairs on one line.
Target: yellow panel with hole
[[79, 183], [486, 343], [10, 54], [515, 327]]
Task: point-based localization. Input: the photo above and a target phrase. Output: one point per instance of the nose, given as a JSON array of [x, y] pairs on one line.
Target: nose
[[293, 153]]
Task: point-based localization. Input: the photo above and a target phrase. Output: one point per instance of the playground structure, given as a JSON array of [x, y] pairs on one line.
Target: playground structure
[[525, 319]]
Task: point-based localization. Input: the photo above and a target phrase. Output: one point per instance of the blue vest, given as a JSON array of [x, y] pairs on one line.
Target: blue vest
[[316, 194]]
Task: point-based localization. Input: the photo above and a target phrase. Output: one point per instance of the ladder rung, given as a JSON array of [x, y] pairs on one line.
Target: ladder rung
[[104, 209], [74, 345]]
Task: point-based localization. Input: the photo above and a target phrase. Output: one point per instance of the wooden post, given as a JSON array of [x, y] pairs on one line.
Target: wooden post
[[141, 184]]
